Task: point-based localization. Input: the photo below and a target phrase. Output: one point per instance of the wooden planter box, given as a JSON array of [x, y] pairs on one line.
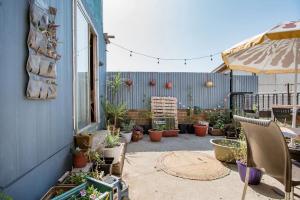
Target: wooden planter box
[[56, 191]]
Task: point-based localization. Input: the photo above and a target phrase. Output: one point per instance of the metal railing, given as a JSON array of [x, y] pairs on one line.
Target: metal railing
[[261, 102]]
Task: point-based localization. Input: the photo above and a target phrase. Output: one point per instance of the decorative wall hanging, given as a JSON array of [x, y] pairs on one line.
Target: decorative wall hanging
[[42, 43], [168, 85], [152, 82], [209, 84], [129, 82]]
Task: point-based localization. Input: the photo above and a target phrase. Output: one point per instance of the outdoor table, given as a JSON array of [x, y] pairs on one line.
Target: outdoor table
[[292, 133]]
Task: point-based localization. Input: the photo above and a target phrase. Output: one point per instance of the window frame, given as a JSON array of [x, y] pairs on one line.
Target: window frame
[[95, 68]]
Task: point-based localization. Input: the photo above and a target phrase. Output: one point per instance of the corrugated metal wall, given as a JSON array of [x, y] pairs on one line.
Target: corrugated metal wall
[[188, 88]]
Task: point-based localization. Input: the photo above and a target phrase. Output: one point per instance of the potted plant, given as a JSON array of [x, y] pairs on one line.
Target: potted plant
[[201, 129], [168, 85], [112, 143], [126, 132], [83, 140], [155, 134], [240, 154], [79, 158], [129, 82], [99, 164], [115, 113], [224, 149], [152, 82], [170, 130], [189, 120], [218, 126], [137, 133]]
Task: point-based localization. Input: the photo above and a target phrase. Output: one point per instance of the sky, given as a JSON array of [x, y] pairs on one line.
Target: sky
[[185, 29]]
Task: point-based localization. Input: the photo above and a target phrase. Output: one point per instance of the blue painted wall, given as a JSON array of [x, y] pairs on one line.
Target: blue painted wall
[[35, 135]]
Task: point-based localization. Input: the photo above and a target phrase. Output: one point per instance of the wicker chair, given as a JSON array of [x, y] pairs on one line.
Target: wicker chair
[[267, 150]]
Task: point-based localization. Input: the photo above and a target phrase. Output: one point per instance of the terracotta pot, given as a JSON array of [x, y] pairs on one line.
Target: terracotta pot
[[200, 130], [155, 136], [169, 85], [79, 160], [171, 133], [128, 82], [217, 132], [152, 82], [135, 136], [141, 135]]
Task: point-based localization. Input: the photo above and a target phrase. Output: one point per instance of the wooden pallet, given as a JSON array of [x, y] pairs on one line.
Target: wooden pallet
[[164, 107]]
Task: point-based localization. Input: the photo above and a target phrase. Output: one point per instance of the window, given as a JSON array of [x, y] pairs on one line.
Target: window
[[86, 74]]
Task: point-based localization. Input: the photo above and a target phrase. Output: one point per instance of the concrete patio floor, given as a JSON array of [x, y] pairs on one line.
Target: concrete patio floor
[[146, 182]]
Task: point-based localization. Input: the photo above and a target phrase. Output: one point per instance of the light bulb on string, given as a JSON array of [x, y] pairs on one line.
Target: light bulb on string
[[184, 61], [157, 60], [130, 53], [211, 57]]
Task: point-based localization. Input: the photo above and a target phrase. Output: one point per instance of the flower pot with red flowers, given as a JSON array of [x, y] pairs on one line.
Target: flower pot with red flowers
[[168, 85], [129, 82], [79, 158], [156, 133], [201, 129], [152, 82]]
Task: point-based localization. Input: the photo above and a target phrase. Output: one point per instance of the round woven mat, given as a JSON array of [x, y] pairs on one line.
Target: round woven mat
[[192, 165]]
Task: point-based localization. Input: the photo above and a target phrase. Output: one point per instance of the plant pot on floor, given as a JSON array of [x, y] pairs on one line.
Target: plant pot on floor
[[135, 136], [79, 159], [200, 130], [155, 136], [113, 153], [190, 128], [182, 128], [127, 136], [254, 176], [170, 133], [224, 149], [217, 132]]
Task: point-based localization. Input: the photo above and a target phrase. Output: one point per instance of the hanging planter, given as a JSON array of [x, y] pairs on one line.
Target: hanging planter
[[152, 82], [168, 85], [129, 82]]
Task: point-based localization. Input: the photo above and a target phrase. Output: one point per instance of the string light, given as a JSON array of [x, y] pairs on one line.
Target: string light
[[131, 52]]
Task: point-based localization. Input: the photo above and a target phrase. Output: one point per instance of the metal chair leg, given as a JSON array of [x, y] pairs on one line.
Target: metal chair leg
[[246, 183], [287, 196], [292, 194]]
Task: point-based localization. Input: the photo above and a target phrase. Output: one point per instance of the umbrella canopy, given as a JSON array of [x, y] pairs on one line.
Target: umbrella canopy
[[273, 52]]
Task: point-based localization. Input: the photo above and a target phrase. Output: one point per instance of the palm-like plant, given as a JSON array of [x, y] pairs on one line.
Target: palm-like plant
[[115, 112]]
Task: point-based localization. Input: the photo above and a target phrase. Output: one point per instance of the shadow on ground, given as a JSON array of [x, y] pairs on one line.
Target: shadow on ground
[[183, 142]]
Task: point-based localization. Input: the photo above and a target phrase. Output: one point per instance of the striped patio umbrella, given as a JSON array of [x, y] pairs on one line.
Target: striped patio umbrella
[[276, 51]]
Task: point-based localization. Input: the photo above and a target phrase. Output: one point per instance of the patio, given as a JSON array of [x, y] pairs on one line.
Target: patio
[[146, 182]]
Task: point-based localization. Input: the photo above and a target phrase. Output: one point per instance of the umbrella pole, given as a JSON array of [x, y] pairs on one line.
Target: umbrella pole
[[295, 94]]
